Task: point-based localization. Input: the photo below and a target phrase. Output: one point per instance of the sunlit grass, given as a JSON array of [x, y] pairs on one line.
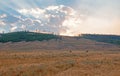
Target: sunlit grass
[[62, 63]]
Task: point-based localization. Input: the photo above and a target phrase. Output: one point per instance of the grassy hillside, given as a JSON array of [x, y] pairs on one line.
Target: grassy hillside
[[32, 36], [114, 39], [25, 36]]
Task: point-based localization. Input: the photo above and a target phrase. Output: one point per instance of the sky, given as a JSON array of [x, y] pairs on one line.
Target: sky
[[64, 17]]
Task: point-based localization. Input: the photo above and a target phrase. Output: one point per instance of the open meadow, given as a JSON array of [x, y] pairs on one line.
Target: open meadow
[[59, 63], [59, 37], [62, 56]]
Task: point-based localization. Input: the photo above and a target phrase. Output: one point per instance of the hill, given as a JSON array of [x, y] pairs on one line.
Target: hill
[[113, 39], [32, 36], [25, 36], [66, 43], [27, 41]]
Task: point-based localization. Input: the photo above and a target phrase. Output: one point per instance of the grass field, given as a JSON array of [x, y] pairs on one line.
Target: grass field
[[60, 63]]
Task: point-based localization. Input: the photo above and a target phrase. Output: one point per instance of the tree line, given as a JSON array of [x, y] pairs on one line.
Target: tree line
[[26, 36]]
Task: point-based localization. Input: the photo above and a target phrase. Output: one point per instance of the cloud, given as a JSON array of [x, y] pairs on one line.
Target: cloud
[[3, 16], [66, 17], [57, 19], [34, 12], [13, 28], [2, 23]]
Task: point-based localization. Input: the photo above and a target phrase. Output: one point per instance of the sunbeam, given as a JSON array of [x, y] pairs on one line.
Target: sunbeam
[[61, 17]]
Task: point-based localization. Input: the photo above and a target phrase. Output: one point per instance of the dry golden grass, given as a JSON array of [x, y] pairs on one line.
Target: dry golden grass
[[62, 63], [65, 44]]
